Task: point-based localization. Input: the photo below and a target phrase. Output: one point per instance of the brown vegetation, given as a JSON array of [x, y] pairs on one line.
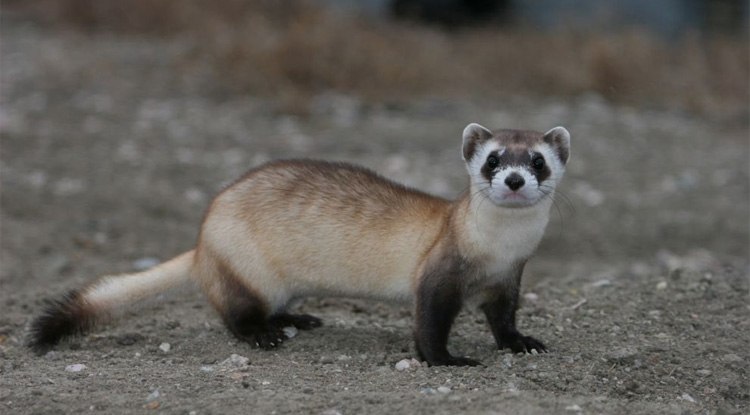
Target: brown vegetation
[[294, 48]]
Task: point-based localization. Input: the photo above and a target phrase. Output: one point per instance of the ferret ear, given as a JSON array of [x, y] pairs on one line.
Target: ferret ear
[[474, 136], [559, 139]]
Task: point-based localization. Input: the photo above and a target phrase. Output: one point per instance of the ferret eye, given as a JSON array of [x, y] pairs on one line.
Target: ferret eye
[[492, 161], [538, 162]]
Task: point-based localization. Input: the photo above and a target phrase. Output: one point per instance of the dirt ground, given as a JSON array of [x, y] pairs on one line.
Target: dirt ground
[[640, 287]]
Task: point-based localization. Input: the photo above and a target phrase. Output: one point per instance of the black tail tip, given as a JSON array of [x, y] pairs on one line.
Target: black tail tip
[[62, 318]]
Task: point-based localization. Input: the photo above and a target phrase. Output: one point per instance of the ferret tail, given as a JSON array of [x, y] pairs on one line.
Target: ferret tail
[[77, 311]]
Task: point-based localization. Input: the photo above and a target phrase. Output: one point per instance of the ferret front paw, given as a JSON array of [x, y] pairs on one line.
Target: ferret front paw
[[268, 339], [519, 343]]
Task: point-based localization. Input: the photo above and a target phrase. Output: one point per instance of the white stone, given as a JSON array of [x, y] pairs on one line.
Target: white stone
[[290, 331], [144, 263], [234, 361], [153, 395], [601, 283], [403, 364], [75, 367], [687, 397]]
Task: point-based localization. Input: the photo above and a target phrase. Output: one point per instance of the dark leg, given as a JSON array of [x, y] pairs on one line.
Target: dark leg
[[438, 302], [501, 316], [245, 313], [299, 321]]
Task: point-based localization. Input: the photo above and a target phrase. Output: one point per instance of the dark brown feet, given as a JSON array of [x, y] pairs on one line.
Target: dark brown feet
[[519, 343], [269, 334], [299, 321]]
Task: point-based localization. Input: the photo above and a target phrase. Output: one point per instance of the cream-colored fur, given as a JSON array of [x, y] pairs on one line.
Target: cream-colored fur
[[298, 228], [288, 245], [114, 291]]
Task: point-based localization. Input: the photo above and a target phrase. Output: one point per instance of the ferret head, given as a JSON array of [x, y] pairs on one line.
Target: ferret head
[[515, 168]]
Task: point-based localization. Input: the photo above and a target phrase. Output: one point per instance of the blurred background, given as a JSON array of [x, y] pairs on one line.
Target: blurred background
[[686, 54]]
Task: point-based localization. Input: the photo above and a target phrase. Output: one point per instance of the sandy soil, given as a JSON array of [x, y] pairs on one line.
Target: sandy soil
[[640, 287]]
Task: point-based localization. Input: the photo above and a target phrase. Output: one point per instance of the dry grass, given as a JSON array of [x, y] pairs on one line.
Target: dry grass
[[295, 49]]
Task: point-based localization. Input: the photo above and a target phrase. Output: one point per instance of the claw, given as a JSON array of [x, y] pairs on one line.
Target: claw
[[519, 343]]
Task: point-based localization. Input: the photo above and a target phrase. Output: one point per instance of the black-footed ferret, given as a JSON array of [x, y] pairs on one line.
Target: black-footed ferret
[[290, 229]]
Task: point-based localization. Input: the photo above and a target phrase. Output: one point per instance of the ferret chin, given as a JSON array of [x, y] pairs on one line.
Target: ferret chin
[[290, 229]]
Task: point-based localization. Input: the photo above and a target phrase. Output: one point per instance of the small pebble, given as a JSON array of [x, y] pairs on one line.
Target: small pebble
[[165, 347], [405, 364], [530, 297], [75, 368], [235, 361], [577, 305], [573, 408], [444, 389], [194, 195], [662, 285], [654, 313], [508, 360], [703, 372], [601, 283], [153, 395], [290, 332], [152, 405], [687, 397], [731, 358], [402, 365], [141, 264]]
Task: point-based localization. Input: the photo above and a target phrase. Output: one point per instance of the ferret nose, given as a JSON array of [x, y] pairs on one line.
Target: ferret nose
[[514, 181]]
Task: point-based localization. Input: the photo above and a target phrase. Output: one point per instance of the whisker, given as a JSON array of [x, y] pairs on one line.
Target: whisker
[[562, 196], [548, 191], [479, 192]]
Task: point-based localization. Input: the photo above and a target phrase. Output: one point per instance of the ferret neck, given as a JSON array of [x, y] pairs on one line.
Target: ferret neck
[[480, 224]]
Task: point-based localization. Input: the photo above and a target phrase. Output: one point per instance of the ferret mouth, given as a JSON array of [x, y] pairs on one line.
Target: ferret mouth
[[512, 199]]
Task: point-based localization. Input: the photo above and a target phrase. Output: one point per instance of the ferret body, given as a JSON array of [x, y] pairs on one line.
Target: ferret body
[[292, 229]]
